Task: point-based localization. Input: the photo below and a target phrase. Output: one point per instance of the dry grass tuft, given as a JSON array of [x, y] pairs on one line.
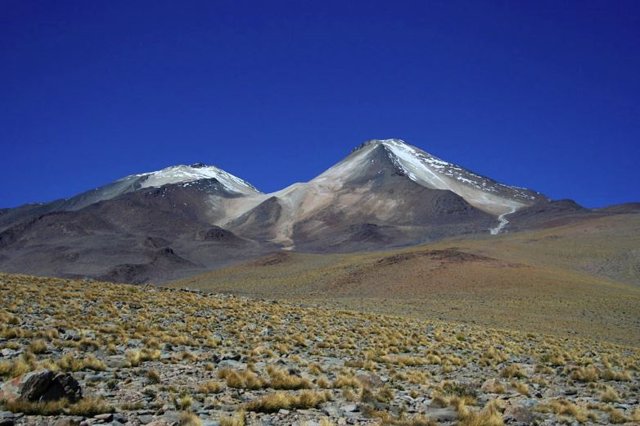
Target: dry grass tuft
[[489, 416], [183, 402], [14, 368], [245, 379], [564, 407], [281, 379], [617, 417], [153, 376], [237, 419], [585, 374], [274, 402], [609, 395], [210, 387], [513, 371], [38, 346], [85, 407], [189, 419]]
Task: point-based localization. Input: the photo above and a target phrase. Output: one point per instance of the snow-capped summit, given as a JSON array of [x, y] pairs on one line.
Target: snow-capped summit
[[227, 184], [432, 172], [194, 172]]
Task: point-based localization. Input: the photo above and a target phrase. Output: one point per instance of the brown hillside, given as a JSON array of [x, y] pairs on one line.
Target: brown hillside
[[576, 279]]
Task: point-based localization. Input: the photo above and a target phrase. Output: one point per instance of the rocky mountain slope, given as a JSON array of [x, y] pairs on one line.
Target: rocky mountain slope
[[183, 219]]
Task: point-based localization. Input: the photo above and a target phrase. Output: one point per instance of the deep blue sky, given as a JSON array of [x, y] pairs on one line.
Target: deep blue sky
[[540, 94]]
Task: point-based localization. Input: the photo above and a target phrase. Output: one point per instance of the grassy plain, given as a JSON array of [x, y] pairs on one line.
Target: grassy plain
[[146, 354], [581, 279]]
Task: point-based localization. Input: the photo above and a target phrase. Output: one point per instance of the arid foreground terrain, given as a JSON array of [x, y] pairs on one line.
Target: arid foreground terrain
[[146, 355]]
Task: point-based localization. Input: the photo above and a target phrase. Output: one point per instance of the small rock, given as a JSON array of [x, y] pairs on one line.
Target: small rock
[[349, 408], [72, 335], [69, 421], [107, 417], [117, 361], [8, 353], [146, 419], [120, 418], [7, 418], [267, 331], [522, 415], [442, 414], [229, 363], [331, 411], [232, 357], [171, 416], [98, 377], [371, 380]]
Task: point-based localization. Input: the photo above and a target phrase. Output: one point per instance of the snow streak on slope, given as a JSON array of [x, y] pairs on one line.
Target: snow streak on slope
[[185, 174], [502, 223]]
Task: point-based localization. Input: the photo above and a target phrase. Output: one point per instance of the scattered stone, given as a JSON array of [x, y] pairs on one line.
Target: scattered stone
[[120, 418], [232, 357], [7, 418], [146, 419], [229, 363], [518, 414], [9, 353], [371, 380], [331, 411], [69, 421], [107, 417], [171, 416], [72, 335], [442, 414], [349, 408]]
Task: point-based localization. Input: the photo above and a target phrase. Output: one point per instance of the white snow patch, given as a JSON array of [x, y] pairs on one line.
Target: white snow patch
[[186, 174]]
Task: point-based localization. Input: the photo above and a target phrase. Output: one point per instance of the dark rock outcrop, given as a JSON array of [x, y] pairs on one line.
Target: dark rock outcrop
[[42, 386]]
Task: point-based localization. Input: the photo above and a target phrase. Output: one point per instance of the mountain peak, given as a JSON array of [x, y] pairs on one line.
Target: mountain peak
[[376, 142], [432, 172], [197, 171], [409, 153]]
